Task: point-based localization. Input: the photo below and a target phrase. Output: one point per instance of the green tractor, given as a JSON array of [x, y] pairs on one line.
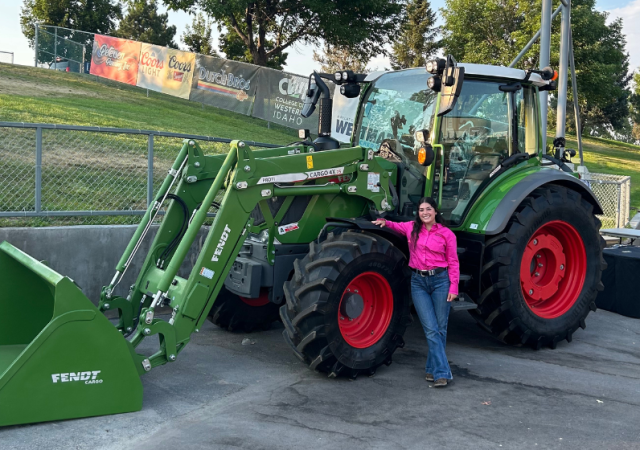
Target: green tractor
[[292, 235]]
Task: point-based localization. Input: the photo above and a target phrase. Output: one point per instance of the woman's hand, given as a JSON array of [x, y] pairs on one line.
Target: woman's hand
[[451, 297], [381, 222]]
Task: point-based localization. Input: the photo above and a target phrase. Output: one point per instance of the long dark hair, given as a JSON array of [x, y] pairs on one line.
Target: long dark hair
[[417, 223]]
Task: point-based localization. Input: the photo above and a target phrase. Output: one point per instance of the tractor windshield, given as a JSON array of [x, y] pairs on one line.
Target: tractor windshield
[[486, 126], [398, 104]]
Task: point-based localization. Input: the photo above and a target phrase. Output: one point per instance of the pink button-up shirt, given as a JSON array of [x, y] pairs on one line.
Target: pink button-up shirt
[[436, 248]]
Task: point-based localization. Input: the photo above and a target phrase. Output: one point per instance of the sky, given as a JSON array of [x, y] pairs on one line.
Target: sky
[[300, 59]]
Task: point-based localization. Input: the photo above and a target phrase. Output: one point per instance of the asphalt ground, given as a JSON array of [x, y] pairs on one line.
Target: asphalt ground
[[221, 394]]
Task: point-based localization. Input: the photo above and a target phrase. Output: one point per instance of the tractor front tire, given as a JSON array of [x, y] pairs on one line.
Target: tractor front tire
[[234, 313], [347, 305], [541, 275]]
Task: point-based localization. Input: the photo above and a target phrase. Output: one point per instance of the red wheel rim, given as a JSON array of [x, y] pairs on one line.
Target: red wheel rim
[[365, 310], [553, 269], [260, 301]]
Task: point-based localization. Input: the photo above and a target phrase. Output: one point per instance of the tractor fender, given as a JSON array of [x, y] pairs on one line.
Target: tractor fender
[[528, 184], [397, 239]]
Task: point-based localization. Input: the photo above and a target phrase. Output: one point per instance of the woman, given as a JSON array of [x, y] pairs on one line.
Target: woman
[[434, 283]]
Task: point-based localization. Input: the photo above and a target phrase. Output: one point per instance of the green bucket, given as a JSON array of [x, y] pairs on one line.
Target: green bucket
[[60, 358]]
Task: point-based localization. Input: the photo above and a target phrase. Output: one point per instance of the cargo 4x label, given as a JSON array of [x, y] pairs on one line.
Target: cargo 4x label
[[293, 177]]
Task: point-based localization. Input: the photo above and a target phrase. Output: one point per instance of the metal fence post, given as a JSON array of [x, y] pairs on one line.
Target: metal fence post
[[619, 218], [35, 63], [38, 169], [55, 48], [149, 170]]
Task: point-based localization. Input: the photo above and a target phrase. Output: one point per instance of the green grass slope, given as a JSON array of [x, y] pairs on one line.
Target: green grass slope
[[611, 157], [29, 94]]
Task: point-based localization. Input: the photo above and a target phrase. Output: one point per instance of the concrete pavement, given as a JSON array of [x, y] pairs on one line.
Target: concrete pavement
[[221, 394]]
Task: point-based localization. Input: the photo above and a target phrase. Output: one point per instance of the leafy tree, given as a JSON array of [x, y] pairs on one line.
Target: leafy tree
[[95, 16], [363, 24], [494, 32], [235, 49], [197, 37], [143, 23], [334, 59], [417, 41], [635, 107]]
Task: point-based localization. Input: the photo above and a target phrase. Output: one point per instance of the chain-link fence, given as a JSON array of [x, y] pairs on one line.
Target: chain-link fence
[[614, 193], [62, 48], [72, 175]]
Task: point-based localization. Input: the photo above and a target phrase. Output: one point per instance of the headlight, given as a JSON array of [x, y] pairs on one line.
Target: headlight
[[422, 135], [434, 83], [436, 66], [345, 76], [337, 76]]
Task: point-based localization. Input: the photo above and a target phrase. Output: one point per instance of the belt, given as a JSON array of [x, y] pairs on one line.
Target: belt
[[429, 273]]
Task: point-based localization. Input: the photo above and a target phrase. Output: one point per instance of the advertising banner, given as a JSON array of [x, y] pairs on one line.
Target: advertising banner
[[116, 59], [343, 116], [224, 84], [166, 70], [279, 99]]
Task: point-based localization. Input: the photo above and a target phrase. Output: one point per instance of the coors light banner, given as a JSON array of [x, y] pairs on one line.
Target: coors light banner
[[224, 84], [280, 97], [166, 70], [115, 58]]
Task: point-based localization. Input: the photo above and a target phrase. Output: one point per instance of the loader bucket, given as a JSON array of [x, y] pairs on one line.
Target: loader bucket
[[60, 358]]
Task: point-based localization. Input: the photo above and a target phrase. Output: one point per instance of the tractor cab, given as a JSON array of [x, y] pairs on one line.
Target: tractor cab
[[494, 116]]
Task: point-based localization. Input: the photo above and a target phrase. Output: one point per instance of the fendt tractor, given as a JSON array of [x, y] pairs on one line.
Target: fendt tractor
[[292, 236]]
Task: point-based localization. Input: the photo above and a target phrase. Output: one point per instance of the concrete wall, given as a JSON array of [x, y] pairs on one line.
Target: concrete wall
[[89, 254]]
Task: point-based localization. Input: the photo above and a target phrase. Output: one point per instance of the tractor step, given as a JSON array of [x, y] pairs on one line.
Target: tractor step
[[463, 303]]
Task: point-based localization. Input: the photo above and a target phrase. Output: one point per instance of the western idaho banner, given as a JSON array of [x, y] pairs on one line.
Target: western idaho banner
[[224, 84], [115, 58], [166, 70], [280, 98]]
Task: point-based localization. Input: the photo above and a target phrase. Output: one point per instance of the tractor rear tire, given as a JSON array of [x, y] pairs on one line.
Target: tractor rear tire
[[541, 275], [347, 305], [234, 313]]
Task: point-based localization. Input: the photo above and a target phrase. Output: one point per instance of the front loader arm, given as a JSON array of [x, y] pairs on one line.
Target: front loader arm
[[249, 178]]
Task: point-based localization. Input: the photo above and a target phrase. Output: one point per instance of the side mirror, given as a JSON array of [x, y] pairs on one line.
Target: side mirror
[[447, 78], [310, 100], [452, 80]]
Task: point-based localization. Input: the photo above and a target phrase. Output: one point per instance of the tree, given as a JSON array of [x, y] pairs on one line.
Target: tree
[[363, 24], [494, 32], [417, 41], [95, 16], [197, 37], [334, 59], [635, 107], [490, 31], [235, 49], [143, 23]]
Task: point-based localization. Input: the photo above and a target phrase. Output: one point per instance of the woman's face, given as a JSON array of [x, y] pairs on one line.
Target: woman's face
[[427, 214]]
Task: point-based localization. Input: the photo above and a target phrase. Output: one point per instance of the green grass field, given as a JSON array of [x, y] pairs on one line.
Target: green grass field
[[28, 94], [39, 95]]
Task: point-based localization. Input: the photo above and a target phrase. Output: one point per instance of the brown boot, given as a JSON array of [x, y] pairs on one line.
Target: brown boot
[[441, 382], [429, 377]]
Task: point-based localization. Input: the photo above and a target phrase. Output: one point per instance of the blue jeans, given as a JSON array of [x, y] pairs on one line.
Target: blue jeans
[[430, 300]]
